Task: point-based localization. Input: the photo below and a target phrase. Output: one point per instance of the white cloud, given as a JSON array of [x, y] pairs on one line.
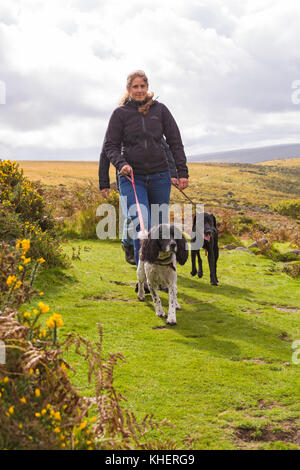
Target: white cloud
[[224, 68]]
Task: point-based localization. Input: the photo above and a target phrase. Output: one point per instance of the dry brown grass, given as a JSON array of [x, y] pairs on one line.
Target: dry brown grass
[[59, 172], [210, 183], [221, 187]]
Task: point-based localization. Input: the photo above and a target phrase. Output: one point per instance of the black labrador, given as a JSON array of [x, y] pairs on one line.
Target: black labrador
[[210, 244]]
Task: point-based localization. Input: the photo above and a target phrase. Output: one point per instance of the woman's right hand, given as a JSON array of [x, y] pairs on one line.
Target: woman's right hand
[[126, 170], [105, 192]]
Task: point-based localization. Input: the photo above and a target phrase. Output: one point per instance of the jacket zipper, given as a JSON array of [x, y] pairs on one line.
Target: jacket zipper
[[144, 129]]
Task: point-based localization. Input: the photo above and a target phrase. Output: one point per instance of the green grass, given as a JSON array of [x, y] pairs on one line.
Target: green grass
[[226, 366]]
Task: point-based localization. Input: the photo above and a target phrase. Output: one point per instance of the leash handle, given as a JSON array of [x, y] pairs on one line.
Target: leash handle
[[192, 202], [137, 203]]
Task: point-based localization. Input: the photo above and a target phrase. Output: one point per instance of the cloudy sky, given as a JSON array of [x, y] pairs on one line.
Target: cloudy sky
[[224, 68]]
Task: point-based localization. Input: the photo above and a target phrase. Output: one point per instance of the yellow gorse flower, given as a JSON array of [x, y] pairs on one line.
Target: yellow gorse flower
[[54, 321], [57, 416], [83, 425], [43, 308], [18, 284], [43, 332], [25, 246], [11, 280]]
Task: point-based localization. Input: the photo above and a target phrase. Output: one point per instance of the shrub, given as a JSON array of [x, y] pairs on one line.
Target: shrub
[[246, 224], [290, 208], [17, 274], [19, 195], [83, 224], [24, 214], [292, 269]]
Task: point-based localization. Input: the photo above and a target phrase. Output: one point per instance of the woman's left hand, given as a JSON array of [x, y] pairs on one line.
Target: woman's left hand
[[183, 183]]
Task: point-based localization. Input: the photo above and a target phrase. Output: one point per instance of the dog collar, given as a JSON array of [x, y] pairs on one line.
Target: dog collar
[[165, 259]]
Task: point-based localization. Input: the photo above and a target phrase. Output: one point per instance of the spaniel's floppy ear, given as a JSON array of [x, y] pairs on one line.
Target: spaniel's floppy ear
[[182, 253], [150, 250]]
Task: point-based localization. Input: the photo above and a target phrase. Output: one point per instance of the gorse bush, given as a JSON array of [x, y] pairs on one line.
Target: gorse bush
[[20, 196], [24, 214], [17, 274]]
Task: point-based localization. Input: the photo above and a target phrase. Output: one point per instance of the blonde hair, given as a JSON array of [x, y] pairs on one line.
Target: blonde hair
[[138, 73]]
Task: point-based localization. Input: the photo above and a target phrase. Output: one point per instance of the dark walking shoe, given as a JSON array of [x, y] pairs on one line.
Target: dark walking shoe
[[129, 253]]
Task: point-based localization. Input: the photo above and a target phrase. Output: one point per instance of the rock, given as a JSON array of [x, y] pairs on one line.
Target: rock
[[229, 247], [242, 248], [253, 245], [261, 242], [293, 252]]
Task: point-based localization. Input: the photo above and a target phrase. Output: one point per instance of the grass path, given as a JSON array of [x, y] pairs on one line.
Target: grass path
[[224, 375]]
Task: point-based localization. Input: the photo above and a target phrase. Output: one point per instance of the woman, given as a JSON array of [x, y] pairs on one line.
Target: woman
[[137, 127]]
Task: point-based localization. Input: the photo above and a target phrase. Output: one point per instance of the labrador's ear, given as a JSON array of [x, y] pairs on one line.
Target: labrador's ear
[[150, 250], [214, 219]]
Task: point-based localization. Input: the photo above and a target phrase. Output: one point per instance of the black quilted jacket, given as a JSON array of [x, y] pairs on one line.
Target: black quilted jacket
[[140, 137]]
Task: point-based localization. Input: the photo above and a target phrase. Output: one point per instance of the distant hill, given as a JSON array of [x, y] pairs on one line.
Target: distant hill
[[250, 155]]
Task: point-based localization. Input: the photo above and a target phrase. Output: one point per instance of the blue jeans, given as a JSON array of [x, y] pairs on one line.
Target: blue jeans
[[126, 239], [151, 190]]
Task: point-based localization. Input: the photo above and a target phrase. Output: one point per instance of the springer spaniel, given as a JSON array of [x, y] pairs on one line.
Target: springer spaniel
[[162, 247]]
